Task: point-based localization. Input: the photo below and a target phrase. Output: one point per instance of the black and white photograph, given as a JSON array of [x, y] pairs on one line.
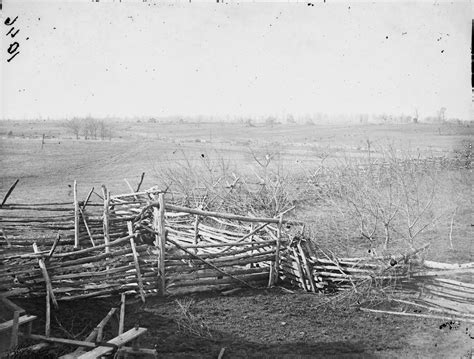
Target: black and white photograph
[[236, 179]]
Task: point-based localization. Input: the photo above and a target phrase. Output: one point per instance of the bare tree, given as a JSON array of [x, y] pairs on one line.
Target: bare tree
[[248, 123], [74, 125], [86, 129], [90, 128], [388, 198], [415, 119], [93, 126], [442, 114], [104, 130], [270, 121]]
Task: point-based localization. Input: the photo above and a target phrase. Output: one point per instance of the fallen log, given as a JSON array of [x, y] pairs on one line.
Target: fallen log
[[438, 265], [419, 315], [212, 273], [9, 192], [205, 282], [435, 309]]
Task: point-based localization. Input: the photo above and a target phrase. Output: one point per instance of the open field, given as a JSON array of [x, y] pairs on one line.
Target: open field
[[150, 147], [271, 323]]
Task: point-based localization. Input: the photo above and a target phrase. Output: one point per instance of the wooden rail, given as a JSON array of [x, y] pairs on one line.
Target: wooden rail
[[230, 216], [119, 341]]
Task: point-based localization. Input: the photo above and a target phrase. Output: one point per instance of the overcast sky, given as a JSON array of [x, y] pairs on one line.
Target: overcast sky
[[127, 59]]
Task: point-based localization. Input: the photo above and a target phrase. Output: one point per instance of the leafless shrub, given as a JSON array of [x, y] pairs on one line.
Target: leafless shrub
[[70, 333], [387, 195], [367, 292], [214, 183]]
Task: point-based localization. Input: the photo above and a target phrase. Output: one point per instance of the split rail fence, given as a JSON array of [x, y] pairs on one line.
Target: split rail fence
[[134, 242]]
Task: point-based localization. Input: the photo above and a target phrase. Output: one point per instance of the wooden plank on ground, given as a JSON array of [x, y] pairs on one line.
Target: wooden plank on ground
[[76, 216], [118, 341]]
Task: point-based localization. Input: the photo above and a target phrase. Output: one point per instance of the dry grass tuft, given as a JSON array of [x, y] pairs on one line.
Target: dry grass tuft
[[190, 323]]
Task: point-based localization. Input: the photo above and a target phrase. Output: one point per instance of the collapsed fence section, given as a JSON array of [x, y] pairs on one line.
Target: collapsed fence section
[[426, 284], [313, 271]]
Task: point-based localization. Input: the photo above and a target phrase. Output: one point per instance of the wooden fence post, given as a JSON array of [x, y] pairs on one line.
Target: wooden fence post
[[9, 192], [135, 259], [300, 269], [47, 280], [307, 268], [123, 300], [252, 265], [277, 252], [105, 223], [160, 241], [196, 232], [47, 328], [14, 335], [76, 217], [105, 218]]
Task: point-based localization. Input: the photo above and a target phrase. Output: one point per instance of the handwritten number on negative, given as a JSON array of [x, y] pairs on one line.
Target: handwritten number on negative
[[13, 48], [9, 21], [13, 34]]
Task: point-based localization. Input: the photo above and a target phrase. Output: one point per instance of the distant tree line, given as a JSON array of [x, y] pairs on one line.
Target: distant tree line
[[364, 118], [89, 128], [308, 119]]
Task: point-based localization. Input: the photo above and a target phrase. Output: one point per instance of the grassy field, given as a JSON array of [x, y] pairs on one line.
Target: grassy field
[[149, 147]]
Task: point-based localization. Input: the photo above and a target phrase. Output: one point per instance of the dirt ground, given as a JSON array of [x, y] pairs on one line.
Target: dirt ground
[[268, 323]]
